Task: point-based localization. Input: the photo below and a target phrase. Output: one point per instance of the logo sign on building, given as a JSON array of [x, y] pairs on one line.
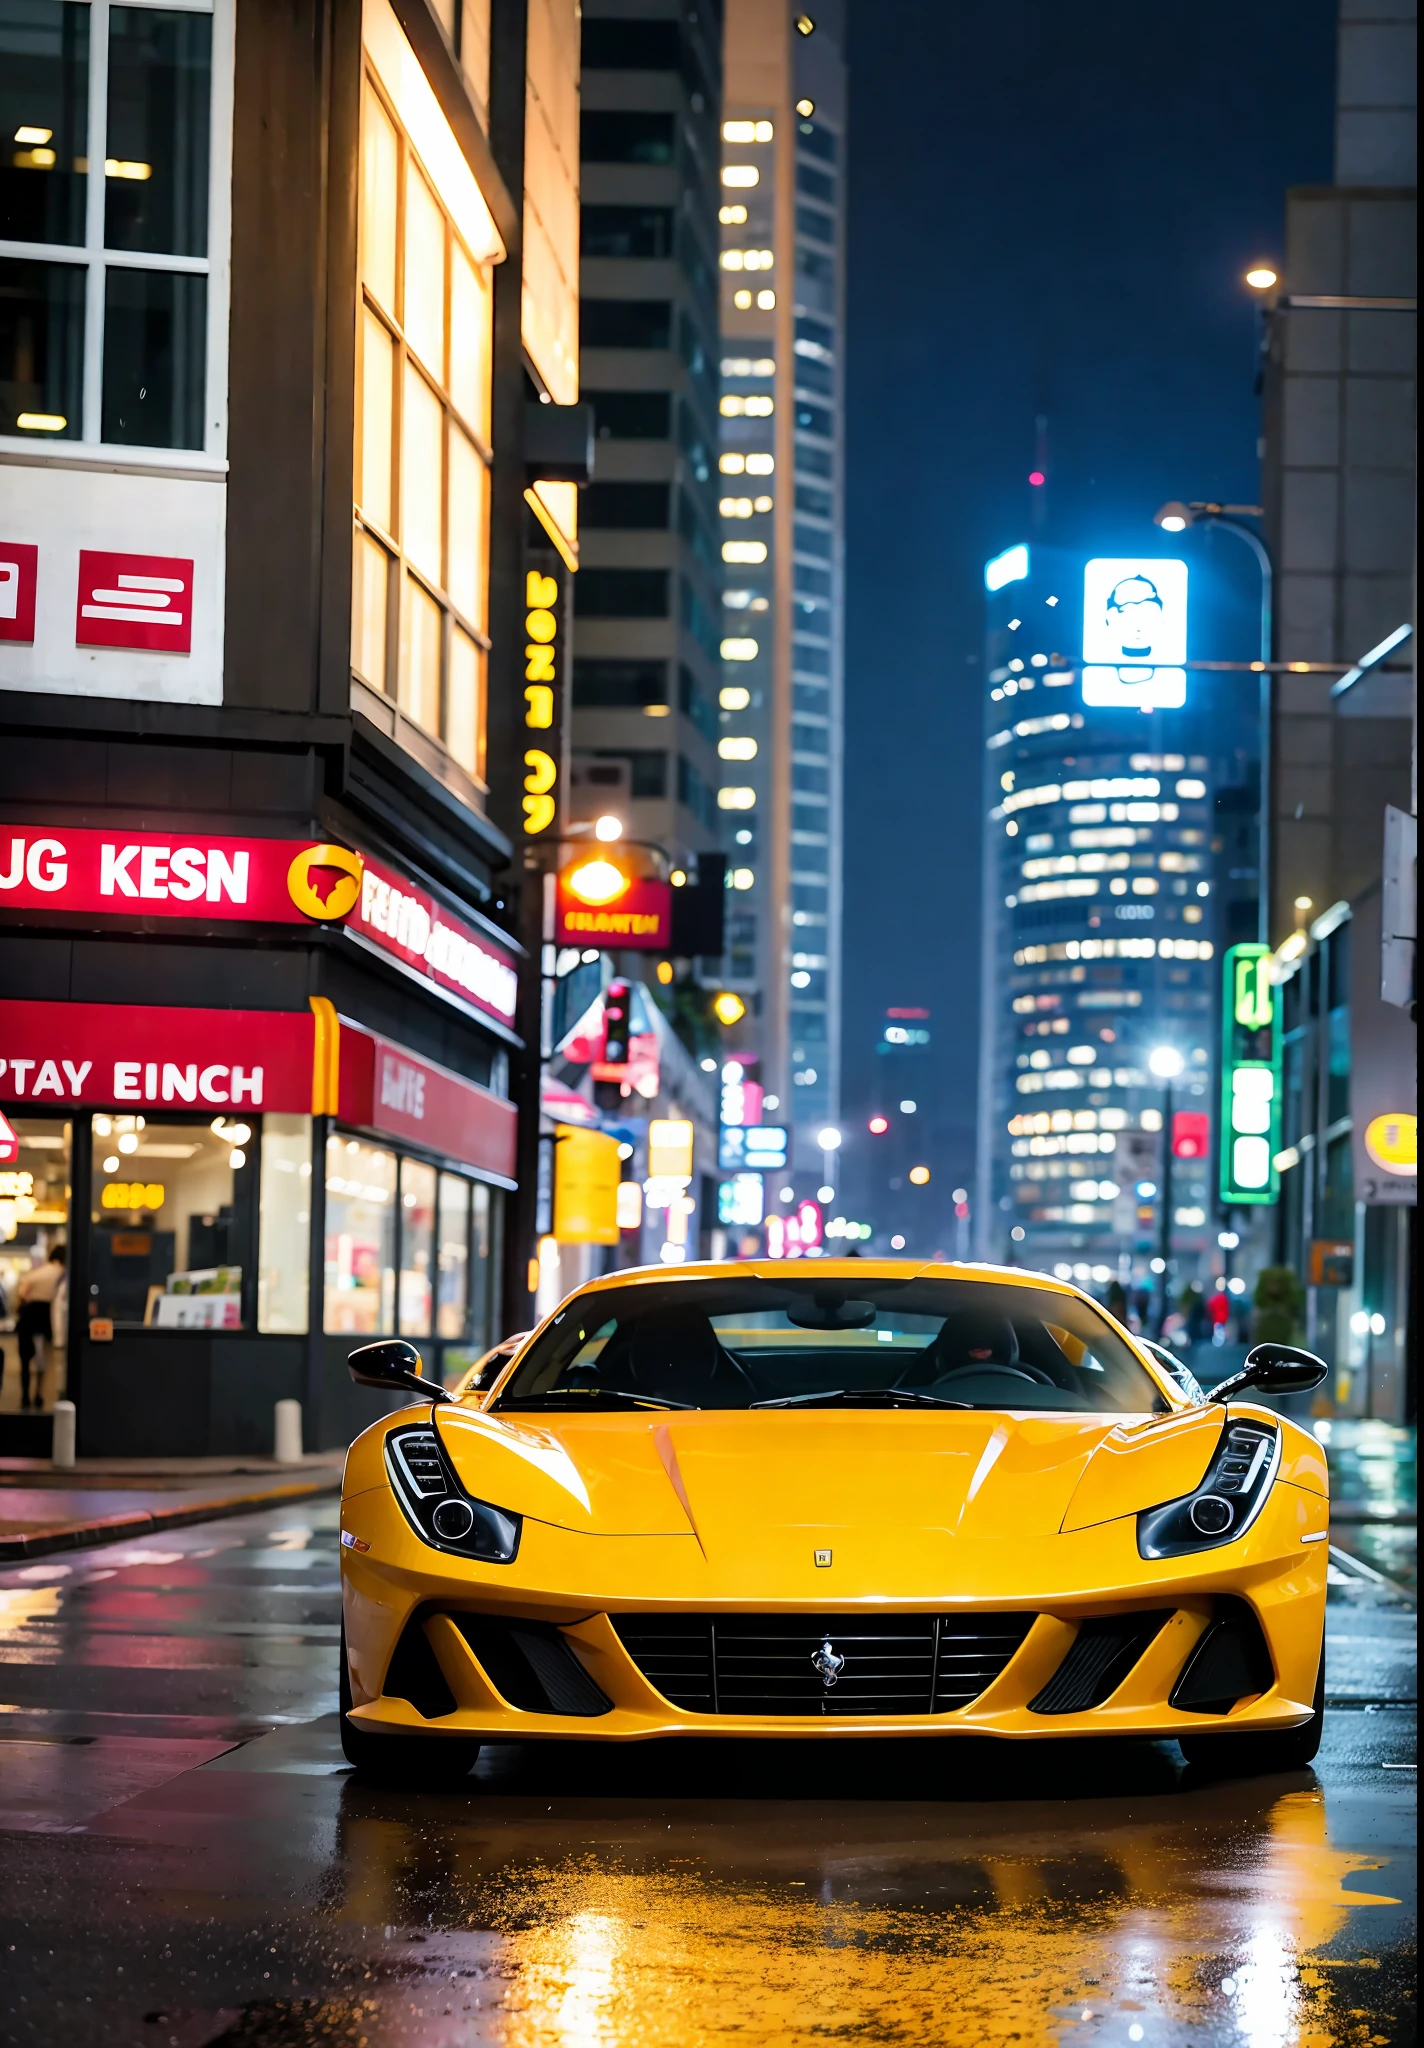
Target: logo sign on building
[[135, 601], [1135, 633], [1250, 1077], [263, 881], [753, 1148], [741, 1200], [19, 579], [638, 917], [542, 725]]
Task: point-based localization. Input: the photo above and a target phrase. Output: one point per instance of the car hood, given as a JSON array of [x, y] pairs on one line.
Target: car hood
[[743, 1484]]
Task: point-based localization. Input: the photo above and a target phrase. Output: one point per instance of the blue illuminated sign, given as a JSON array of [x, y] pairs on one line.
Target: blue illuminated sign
[[1135, 633], [1009, 567], [753, 1148]]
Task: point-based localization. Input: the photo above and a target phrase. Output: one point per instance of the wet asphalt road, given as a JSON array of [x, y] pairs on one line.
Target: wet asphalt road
[[186, 1860]]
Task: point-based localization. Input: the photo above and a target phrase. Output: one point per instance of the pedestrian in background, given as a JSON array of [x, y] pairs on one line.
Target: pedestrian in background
[[34, 1322]]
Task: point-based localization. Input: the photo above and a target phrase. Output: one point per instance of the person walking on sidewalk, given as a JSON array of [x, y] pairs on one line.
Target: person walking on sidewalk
[[35, 1320]]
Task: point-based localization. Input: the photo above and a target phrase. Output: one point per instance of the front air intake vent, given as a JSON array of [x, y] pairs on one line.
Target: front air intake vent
[[1230, 1663], [1102, 1654], [531, 1665], [806, 1664], [415, 1675]]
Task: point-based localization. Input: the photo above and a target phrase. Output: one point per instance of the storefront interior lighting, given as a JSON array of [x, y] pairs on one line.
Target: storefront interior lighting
[[128, 1142], [111, 1164]]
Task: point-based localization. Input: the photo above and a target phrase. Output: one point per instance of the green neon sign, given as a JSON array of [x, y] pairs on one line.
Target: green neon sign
[[1250, 1078]]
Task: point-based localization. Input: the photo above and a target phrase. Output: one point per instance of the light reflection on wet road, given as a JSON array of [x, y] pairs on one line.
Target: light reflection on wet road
[[188, 1861]]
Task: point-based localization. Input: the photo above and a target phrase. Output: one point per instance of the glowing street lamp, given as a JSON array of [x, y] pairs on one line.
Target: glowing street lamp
[[1261, 277], [596, 881]]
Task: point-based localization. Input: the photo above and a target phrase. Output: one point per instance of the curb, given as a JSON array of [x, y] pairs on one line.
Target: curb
[[113, 1528]]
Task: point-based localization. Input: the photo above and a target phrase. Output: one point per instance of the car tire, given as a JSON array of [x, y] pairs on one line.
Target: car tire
[[412, 1760], [1285, 1749]]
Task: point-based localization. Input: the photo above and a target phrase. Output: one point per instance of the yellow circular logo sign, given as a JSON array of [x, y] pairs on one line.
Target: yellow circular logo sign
[[325, 881], [1392, 1141]]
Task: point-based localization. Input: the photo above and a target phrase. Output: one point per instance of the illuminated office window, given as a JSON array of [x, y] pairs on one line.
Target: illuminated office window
[[424, 336]]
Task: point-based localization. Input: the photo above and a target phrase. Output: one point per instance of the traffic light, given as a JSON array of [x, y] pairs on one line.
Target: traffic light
[[617, 1005], [728, 1007], [1190, 1134], [1250, 1077]]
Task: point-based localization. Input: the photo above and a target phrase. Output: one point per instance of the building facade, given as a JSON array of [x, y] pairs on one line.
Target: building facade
[[262, 401], [781, 464], [1102, 942]]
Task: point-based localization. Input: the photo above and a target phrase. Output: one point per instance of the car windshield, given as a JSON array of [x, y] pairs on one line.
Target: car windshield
[[746, 1341]]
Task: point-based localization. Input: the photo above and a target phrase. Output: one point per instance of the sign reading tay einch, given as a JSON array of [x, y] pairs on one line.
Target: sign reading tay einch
[[55, 1054], [267, 881]]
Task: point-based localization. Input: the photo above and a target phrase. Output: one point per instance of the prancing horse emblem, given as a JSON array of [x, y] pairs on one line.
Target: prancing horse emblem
[[829, 1662]]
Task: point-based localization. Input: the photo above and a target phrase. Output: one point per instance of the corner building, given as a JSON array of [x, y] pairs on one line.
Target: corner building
[[262, 382]]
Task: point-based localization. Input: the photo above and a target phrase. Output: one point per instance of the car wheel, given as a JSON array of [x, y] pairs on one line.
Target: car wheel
[[1286, 1749], [415, 1760]]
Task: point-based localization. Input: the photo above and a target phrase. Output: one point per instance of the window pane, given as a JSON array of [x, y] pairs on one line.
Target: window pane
[[44, 119], [417, 1247], [378, 369], [465, 710], [469, 528], [370, 596], [41, 349], [453, 1257], [470, 340], [475, 50], [163, 1247], [35, 1212], [359, 1282], [422, 432], [379, 184], [424, 315], [483, 1277], [155, 343], [284, 1237], [156, 160], [420, 658]]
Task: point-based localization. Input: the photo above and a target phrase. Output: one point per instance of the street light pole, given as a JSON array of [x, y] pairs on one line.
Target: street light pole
[[1173, 517], [1164, 1229]]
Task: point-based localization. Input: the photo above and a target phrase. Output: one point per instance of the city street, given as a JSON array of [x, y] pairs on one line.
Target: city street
[[187, 1859]]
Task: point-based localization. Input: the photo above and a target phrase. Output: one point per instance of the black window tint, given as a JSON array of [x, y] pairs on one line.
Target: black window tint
[[811, 221], [647, 768], [816, 331], [41, 349], [160, 85], [627, 138], [698, 621], [631, 45], [631, 415], [815, 580], [810, 499], [812, 540], [619, 685], [815, 184], [816, 141], [695, 704], [813, 461], [813, 376], [621, 594], [628, 505], [811, 263], [44, 125], [813, 419], [626, 323], [155, 343], [626, 230]]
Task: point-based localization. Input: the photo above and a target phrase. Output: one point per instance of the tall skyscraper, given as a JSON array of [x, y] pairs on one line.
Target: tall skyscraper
[[647, 598], [1101, 941], [781, 476]]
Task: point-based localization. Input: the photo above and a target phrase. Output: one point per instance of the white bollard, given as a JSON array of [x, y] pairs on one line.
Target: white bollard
[[62, 1448], [287, 1433]]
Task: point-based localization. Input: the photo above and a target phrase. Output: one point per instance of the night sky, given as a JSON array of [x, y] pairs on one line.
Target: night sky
[[1051, 205]]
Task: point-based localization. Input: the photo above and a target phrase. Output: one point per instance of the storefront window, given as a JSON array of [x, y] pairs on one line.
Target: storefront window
[[484, 1292], [34, 1214], [417, 1247], [453, 1257], [169, 1207], [283, 1263], [359, 1281]]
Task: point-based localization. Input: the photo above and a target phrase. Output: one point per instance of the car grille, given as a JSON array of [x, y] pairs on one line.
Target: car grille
[[781, 1663]]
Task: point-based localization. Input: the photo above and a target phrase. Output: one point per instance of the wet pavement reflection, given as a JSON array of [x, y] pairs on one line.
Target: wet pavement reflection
[[187, 1859]]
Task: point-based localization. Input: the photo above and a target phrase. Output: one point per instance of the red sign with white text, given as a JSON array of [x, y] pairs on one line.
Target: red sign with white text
[[117, 1055], [135, 601], [386, 1088], [268, 881], [19, 578]]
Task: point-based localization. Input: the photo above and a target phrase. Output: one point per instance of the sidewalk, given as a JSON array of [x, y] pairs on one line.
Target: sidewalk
[[104, 1500]]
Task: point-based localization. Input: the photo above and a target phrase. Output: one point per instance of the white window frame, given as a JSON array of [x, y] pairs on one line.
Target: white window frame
[[94, 259]]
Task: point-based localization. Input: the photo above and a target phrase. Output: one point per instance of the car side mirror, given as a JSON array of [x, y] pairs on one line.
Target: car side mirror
[[394, 1365], [1274, 1369]]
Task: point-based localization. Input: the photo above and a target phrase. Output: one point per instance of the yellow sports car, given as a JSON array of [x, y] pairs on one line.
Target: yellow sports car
[[854, 1498]]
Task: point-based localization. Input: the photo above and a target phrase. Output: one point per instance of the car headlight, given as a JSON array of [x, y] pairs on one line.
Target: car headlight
[[1226, 1503], [438, 1507]]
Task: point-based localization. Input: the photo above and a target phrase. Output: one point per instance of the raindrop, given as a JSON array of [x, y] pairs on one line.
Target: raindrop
[[1228, 1987]]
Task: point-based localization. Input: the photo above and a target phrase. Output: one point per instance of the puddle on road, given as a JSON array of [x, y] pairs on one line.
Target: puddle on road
[[1207, 1932]]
